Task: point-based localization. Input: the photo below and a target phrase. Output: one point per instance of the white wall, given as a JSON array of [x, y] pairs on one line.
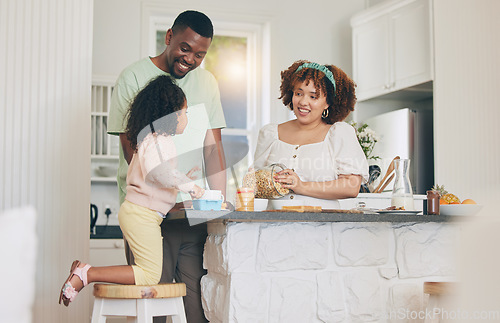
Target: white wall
[[45, 64], [467, 152], [466, 101], [116, 41]]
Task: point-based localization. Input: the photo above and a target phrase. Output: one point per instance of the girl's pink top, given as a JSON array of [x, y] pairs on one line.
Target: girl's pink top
[[152, 178]]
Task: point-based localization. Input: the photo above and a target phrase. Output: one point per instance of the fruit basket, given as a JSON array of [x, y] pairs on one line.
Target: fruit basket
[[450, 204]]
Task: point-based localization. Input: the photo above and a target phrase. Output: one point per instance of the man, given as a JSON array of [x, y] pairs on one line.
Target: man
[[187, 43]]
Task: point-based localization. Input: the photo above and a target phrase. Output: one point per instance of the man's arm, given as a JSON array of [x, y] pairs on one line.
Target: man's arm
[[215, 161], [127, 150]]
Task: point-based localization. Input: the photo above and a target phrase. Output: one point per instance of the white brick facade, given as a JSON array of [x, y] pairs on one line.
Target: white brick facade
[[323, 272]]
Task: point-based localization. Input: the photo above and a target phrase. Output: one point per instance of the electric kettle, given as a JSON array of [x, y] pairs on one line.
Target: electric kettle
[[93, 218]]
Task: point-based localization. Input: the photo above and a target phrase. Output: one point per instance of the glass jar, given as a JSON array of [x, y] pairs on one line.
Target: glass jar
[[402, 193], [262, 181], [244, 199], [433, 202]]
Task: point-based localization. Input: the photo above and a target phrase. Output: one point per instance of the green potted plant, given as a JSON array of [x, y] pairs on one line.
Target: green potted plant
[[367, 139]]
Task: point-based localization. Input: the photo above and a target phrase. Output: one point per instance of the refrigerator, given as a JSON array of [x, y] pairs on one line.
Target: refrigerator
[[406, 133]]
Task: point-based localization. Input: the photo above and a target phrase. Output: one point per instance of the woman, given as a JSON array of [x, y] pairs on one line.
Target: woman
[[323, 157]]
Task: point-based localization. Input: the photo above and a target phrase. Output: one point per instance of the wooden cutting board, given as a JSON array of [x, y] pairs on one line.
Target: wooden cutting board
[[340, 211], [302, 208], [314, 209]]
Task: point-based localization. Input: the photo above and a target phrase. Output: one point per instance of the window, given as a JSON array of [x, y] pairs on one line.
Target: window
[[237, 55]]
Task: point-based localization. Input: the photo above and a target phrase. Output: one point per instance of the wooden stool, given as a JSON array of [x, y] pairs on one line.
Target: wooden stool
[[435, 291], [139, 303]]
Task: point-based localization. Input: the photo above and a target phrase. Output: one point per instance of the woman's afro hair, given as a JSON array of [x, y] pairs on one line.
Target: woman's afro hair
[[340, 103]]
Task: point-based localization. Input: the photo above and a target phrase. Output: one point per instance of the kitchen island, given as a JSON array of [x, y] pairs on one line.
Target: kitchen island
[[322, 267]]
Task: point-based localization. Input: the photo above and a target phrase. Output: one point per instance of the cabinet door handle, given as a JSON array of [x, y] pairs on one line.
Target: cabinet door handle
[[118, 244]]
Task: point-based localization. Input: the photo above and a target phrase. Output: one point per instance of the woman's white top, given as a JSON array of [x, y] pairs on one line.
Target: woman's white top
[[338, 154]]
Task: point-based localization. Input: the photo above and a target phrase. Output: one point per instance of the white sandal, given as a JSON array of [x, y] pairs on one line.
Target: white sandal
[[68, 292]]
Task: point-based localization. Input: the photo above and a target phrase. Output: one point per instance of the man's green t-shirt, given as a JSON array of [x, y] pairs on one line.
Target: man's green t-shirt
[[204, 112]]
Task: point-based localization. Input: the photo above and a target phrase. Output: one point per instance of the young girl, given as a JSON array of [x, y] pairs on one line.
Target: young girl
[[157, 113]]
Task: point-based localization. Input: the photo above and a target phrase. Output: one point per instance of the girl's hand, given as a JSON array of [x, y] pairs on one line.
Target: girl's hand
[[288, 179], [196, 192], [190, 173]]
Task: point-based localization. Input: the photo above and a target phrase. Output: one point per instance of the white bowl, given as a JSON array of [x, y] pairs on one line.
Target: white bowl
[[278, 204], [106, 171], [459, 209], [260, 205]]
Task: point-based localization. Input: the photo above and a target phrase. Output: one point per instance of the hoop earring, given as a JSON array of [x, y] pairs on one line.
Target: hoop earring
[[324, 115]]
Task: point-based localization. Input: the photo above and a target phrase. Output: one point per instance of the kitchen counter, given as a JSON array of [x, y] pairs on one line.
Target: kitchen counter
[[195, 217], [321, 267], [106, 232]]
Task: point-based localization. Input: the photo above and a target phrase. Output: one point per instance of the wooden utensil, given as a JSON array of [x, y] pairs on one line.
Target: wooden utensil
[[386, 183], [390, 169]]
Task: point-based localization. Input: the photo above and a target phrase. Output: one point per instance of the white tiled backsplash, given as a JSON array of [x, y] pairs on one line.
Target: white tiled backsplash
[[103, 195]]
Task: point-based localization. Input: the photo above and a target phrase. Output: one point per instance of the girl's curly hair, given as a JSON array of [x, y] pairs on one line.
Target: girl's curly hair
[[340, 103], [159, 98]]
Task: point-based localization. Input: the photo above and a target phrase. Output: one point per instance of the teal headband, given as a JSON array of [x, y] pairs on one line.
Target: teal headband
[[322, 68]]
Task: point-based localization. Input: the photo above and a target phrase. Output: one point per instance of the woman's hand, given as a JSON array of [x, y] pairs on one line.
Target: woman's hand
[[346, 186], [289, 179], [196, 192]]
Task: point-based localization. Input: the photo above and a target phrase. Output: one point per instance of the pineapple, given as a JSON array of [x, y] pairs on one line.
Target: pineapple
[[451, 198], [440, 189], [445, 197]]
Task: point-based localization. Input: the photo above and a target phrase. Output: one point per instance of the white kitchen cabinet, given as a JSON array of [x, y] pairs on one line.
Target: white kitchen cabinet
[[378, 201], [104, 147], [392, 47], [107, 252]]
